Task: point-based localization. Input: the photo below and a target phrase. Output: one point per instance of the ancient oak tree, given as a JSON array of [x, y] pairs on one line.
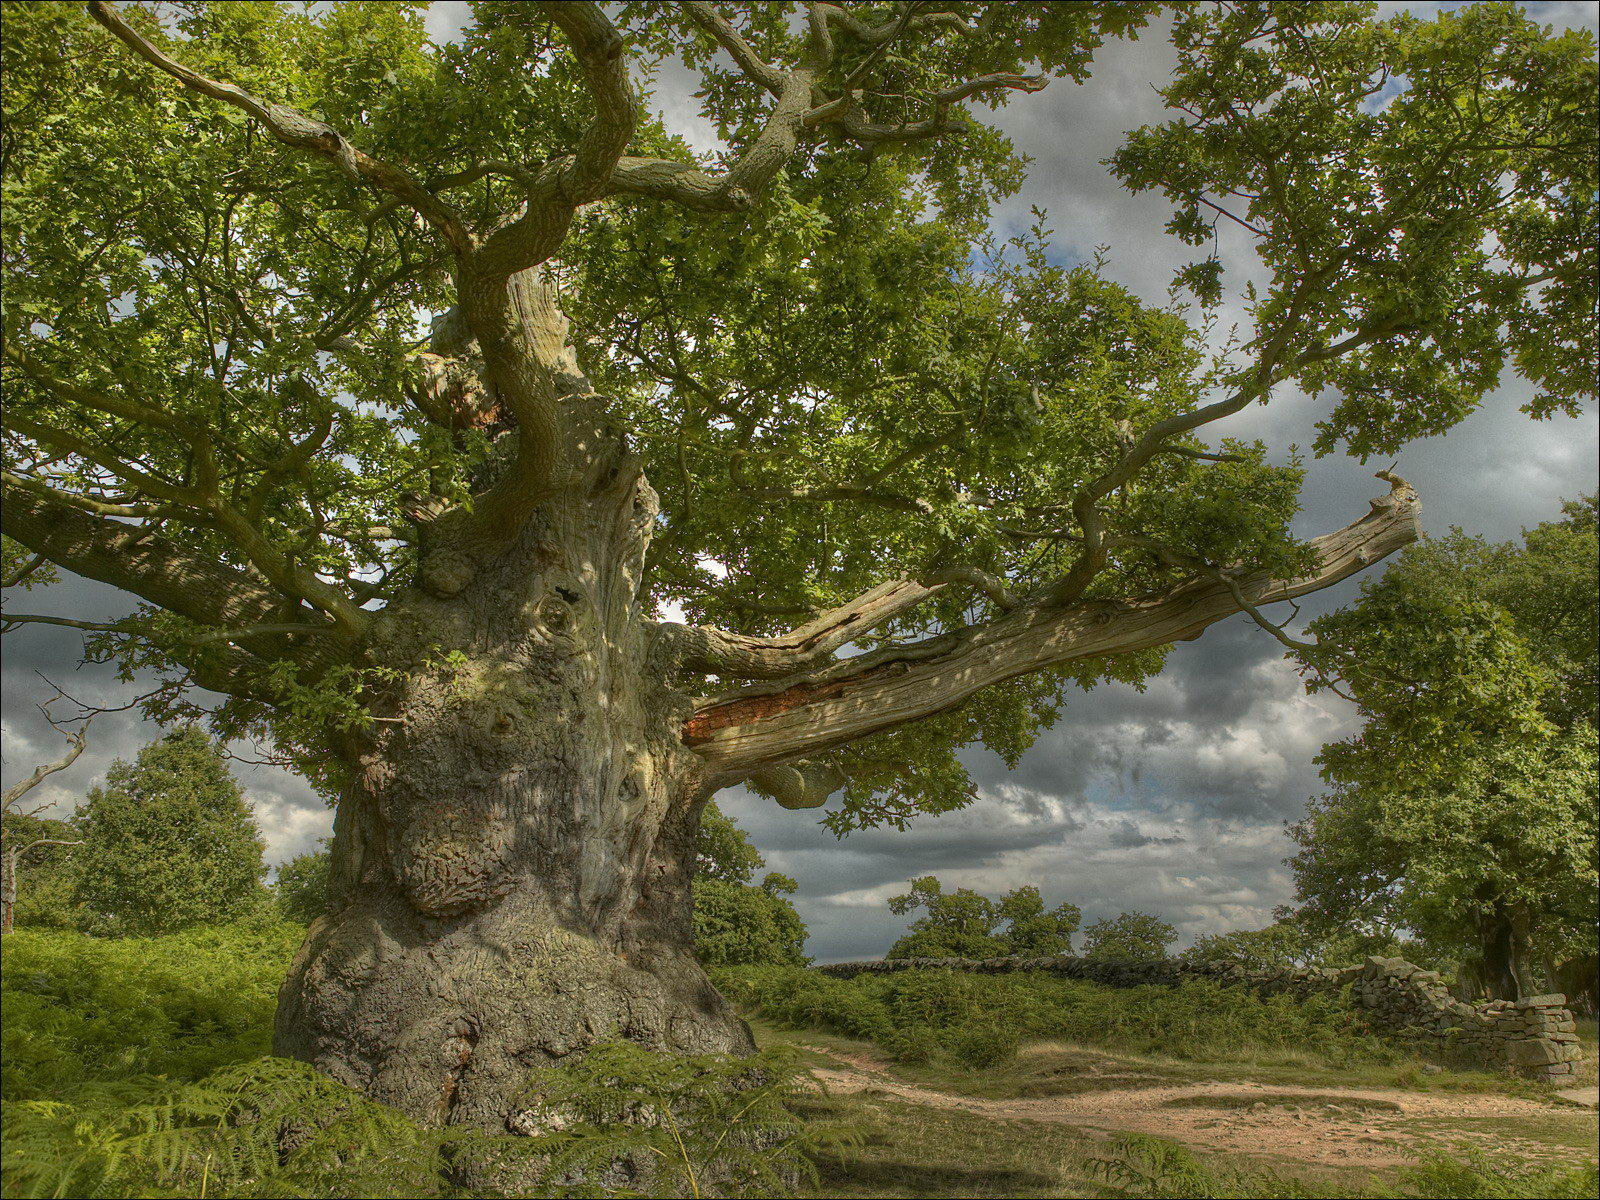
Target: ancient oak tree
[[406, 386]]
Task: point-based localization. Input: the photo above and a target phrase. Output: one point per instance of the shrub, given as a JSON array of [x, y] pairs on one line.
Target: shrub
[[983, 1044], [84, 1010], [911, 1014]]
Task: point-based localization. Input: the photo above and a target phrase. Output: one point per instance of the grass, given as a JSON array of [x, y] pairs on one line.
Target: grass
[[906, 1150], [911, 1151], [1588, 1072], [1051, 1068], [1558, 1130]]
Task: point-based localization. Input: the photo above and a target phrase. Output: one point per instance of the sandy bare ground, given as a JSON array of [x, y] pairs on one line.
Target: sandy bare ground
[[1332, 1126]]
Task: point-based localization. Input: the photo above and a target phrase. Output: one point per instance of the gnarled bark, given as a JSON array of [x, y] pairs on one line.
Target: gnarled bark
[[513, 856]]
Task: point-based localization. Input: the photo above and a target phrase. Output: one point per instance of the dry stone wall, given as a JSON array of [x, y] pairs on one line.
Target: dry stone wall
[[1535, 1036]]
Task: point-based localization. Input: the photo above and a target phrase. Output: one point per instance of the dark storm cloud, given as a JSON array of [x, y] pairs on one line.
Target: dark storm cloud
[[1169, 801]]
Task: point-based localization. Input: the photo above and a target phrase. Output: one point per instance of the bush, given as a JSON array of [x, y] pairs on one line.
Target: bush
[[983, 1044], [82, 1010], [915, 1015]]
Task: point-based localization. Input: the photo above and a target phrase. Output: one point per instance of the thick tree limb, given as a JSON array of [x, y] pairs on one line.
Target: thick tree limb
[[1275, 363], [200, 503], [740, 656], [599, 50], [294, 128], [709, 19], [878, 691], [142, 562]]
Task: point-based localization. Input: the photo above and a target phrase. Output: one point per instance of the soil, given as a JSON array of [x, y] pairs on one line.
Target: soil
[[1365, 1127]]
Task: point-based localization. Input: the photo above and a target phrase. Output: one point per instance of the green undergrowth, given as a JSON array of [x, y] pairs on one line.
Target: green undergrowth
[[923, 1017], [84, 1012], [140, 1067]]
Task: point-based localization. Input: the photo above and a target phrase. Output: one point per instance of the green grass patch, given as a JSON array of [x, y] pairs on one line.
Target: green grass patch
[[140, 1067], [906, 1150]]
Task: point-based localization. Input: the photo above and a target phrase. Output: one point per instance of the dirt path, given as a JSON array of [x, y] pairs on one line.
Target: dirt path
[[1333, 1126]]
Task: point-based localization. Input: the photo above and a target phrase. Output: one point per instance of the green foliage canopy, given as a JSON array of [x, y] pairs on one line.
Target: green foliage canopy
[[964, 924], [737, 922], [1297, 941], [1129, 935], [44, 868], [301, 885]]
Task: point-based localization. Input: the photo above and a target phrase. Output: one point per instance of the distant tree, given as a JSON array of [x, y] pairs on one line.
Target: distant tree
[[723, 851], [1031, 929], [302, 885], [1278, 945], [168, 843], [737, 922], [1464, 808], [37, 865], [1132, 935], [965, 924]]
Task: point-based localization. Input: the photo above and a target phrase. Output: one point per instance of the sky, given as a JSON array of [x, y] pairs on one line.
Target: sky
[[1172, 801]]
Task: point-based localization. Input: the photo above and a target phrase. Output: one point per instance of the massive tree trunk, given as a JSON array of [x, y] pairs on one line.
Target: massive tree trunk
[[514, 850]]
